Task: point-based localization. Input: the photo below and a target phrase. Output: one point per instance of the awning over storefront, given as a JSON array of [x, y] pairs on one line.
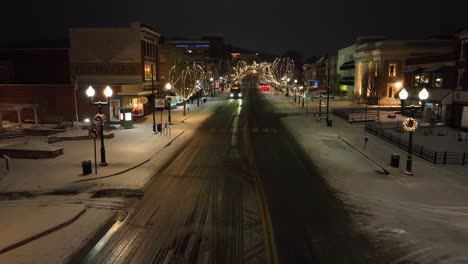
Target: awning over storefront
[[433, 69], [145, 93], [438, 96], [414, 70], [348, 65], [348, 80]]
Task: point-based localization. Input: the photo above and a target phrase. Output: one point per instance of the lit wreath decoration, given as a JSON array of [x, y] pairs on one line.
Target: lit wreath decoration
[[99, 119], [410, 124]]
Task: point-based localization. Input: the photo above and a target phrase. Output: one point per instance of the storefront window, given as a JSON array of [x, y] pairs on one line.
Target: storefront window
[[114, 110], [137, 107]]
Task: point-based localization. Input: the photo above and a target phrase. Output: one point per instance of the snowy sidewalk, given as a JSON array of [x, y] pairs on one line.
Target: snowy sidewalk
[[409, 212], [40, 197]]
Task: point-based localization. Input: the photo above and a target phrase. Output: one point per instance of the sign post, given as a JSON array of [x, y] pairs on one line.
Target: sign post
[[94, 133]]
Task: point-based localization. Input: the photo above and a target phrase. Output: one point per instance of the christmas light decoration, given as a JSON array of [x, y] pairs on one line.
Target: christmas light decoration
[[410, 124], [185, 80]]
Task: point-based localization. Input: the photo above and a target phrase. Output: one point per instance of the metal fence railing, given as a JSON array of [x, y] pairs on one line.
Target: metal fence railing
[[437, 157], [362, 114]]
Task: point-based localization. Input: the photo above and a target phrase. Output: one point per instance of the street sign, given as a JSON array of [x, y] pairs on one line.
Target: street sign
[[159, 102], [93, 132]]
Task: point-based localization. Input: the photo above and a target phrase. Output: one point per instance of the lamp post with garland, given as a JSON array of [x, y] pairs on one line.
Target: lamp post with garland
[[100, 118], [410, 125]]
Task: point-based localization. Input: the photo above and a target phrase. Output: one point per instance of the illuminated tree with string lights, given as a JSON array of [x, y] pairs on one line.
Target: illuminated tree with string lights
[[282, 70], [185, 80], [238, 72]]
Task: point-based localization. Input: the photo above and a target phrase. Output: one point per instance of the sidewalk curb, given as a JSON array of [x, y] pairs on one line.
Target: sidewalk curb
[[133, 167], [43, 233]]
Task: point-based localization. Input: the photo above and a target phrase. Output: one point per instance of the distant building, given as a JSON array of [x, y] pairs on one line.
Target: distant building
[[380, 64], [36, 73], [124, 58], [345, 69], [436, 73], [169, 56], [326, 73], [460, 97]]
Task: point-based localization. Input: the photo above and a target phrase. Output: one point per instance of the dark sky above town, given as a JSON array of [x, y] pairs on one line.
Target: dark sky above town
[[312, 27]]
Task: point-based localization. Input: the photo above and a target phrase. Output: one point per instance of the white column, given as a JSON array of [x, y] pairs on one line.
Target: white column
[[1, 122], [18, 113], [35, 116]]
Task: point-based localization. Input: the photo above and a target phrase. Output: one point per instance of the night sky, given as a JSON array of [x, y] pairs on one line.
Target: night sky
[[310, 27]]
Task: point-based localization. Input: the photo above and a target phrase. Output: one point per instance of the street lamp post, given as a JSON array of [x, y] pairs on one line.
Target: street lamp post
[[153, 103], [301, 88], [100, 118], [169, 99], [211, 86], [295, 89], [410, 125], [320, 105]]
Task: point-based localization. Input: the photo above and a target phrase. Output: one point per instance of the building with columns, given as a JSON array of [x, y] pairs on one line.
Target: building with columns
[[460, 96], [380, 63]]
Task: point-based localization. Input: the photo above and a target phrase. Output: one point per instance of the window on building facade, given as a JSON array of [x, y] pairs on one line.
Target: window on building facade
[[424, 79], [392, 69], [416, 79], [438, 80], [376, 66], [390, 91], [148, 72]]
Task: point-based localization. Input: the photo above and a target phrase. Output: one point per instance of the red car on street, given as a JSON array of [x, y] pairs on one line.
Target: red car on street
[[264, 87]]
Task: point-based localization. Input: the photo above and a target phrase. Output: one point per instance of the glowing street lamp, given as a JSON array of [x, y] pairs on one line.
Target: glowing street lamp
[[410, 124], [100, 118], [169, 99]]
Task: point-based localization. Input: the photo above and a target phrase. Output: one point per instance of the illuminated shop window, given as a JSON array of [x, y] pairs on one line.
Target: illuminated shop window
[[148, 72], [137, 107]]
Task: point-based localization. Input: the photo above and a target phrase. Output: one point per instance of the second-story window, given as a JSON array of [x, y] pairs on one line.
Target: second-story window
[[148, 72], [416, 79], [438, 80], [392, 70], [424, 81]]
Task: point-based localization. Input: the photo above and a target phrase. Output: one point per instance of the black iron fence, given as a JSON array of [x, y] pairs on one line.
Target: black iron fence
[[437, 157], [362, 114]]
